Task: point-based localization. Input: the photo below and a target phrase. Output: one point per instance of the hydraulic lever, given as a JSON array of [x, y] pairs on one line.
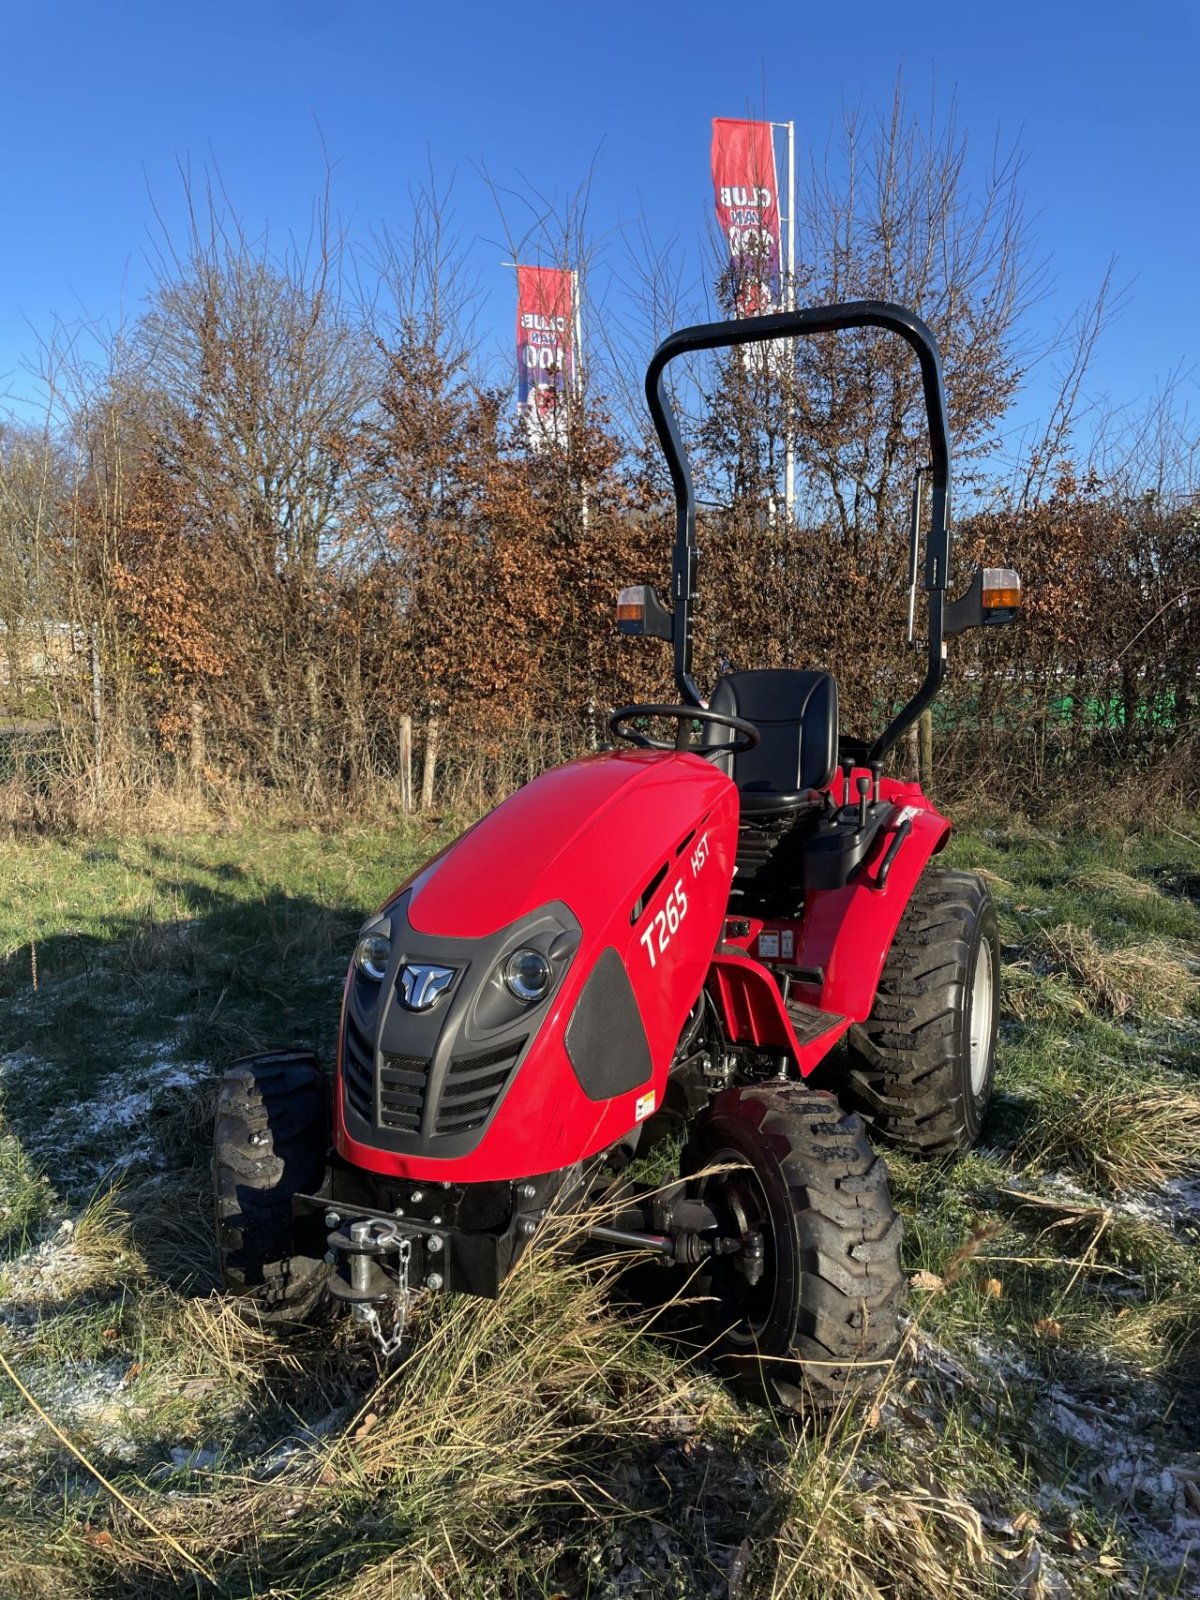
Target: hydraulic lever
[[863, 785]]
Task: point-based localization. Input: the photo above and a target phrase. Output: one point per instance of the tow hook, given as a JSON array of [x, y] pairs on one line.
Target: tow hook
[[366, 1244]]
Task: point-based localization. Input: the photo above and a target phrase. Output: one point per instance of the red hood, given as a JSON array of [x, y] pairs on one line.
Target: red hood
[[553, 838]]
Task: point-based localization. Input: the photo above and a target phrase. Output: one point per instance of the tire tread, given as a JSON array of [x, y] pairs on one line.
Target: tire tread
[[906, 1078]]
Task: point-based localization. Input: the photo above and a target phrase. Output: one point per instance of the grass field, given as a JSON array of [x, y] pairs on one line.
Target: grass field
[[1040, 1436]]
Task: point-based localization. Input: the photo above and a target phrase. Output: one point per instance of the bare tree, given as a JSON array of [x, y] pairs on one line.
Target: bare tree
[[258, 374]]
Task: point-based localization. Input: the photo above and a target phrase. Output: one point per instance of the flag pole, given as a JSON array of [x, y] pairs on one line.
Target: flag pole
[[577, 380], [789, 303]]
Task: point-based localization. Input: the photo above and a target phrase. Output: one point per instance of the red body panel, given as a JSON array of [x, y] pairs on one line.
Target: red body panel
[[754, 1012], [591, 834], [844, 933], [848, 932]]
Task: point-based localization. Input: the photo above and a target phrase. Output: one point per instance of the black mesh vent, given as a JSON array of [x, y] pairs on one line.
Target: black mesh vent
[[402, 1081], [359, 1072], [472, 1087]]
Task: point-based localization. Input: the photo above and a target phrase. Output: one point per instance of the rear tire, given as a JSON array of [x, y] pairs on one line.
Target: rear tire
[[925, 1059], [821, 1324], [270, 1143]]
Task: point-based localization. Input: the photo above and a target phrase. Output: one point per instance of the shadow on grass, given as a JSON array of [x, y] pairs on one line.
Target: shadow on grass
[[237, 974]]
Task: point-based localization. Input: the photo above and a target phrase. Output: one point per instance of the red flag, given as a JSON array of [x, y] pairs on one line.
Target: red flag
[[747, 199], [545, 348]]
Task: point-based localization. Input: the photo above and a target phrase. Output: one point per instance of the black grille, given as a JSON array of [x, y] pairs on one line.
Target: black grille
[[472, 1087], [359, 1073], [402, 1081]]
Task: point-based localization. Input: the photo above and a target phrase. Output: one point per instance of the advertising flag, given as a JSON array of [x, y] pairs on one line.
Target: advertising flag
[[545, 350], [747, 199]]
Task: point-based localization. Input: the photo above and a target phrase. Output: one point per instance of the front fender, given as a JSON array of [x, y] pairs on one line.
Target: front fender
[[750, 1003], [754, 1012]]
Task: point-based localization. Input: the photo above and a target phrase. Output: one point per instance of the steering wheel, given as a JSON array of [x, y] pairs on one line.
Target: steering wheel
[[750, 735]]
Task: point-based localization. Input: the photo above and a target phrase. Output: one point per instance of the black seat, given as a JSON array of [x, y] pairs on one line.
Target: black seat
[[796, 712], [797, 715]]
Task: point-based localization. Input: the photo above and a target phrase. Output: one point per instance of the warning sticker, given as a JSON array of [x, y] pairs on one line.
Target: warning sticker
[[768, 946], [787, 943], [645, 1105]]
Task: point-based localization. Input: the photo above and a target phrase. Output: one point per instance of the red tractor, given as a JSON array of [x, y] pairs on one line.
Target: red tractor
[[665, 938]]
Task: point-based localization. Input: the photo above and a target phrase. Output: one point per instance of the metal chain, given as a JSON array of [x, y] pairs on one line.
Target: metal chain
[[390, 1344]]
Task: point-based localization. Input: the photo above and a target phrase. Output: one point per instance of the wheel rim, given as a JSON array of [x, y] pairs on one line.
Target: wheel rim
[[740, 1203], [982, 998]]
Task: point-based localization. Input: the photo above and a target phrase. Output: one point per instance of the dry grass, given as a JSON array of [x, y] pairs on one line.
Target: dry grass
[[851, 1535], [1162, 1335], [25, 1194], [1121, 1139], [1032, 997], [1110, 881], [1154, 979], [552, 1442], [500, 1409]]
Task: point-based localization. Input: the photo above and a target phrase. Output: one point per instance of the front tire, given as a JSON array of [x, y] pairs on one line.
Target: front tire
[[270, 1143], [820, 1324], [925, 1059]]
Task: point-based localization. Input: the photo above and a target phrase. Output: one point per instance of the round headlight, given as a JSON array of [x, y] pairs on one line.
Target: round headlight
[[527, 974], [372, 956]]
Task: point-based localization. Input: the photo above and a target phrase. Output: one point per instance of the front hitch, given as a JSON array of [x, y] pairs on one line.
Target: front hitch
[[365, 1273]]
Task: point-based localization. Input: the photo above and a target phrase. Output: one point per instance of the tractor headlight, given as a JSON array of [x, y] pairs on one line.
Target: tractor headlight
[[371, 956], [528, 975]]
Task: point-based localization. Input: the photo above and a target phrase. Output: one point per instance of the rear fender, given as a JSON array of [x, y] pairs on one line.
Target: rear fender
[[846, 933]]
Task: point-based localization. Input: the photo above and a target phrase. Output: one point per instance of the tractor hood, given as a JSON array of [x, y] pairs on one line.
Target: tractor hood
[[615, 869], [580, 829]]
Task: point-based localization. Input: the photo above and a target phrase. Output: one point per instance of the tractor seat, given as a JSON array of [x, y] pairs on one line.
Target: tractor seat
[[796, 713], [781, 782]]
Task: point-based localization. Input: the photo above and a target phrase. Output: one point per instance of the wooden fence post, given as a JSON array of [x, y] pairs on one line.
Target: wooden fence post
[[195, 738], [97, 706], [406, 787], [432, 732], [926, 741]]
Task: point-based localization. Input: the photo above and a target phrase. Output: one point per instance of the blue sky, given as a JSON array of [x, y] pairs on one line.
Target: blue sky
[[102, 104]]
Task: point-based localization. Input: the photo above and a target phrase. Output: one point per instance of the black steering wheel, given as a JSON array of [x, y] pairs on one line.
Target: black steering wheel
[[750, 735]]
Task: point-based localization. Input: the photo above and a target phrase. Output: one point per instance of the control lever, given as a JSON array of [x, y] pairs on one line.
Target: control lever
[[847, 774], [863, 785]]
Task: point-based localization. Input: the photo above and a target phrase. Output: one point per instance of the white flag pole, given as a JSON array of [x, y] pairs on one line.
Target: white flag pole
[[789, 304], [577, 376]]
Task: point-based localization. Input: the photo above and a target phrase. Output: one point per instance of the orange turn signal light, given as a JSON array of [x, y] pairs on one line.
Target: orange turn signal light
[[1001, 589], [631, 604]]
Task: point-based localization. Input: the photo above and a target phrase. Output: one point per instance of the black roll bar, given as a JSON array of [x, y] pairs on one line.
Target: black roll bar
[[782, 325]]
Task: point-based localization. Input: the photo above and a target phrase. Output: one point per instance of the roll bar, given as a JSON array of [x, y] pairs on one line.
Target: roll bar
[[783, 325]]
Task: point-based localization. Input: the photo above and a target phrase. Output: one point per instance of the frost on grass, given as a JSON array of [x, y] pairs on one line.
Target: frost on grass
[[117, 1129], [53, 1270], [1105, 1452], [1174, 1204], [89, 1400], [1118, 1459]]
